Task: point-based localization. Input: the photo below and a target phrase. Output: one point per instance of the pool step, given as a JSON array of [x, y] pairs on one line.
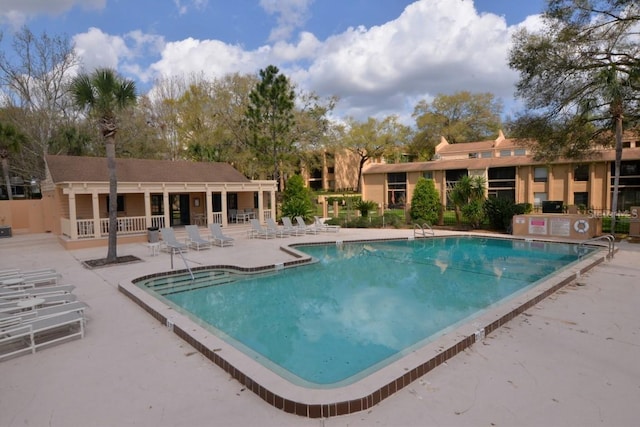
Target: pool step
[[173, 285]]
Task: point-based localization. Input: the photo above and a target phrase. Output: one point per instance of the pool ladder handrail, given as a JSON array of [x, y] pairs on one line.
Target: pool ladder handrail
[[611, 242], [421, 228], [185, 262]]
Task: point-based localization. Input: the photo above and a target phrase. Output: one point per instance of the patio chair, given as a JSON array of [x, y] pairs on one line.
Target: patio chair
[[311, 229], [170, 243], [319, 223], [273, 227], [194, 240], [217, 237], [233, 215], [290, 228], [31, 336], [258, 231]]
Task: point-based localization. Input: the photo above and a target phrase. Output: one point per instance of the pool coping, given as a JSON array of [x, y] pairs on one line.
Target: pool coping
[[367, 392]]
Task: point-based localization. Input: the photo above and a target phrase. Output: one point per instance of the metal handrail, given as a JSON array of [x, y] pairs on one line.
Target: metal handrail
[[611, 241], [422, 227], [185, 263]]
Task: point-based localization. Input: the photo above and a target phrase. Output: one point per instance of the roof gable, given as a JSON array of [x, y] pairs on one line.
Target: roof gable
[[94, 169]]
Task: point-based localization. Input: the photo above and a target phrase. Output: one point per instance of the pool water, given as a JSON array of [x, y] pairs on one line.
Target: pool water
[[363, 305]]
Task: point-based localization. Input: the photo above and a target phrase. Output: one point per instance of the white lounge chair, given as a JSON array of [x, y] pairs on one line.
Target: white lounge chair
[[11, 306], [28, 278], [273, 227], [28, 337], [290, 228], [35, 292], [311, 229], [170, 243], [217, 237], [258, 231], [195, 241], [321, 226], [10, 320]]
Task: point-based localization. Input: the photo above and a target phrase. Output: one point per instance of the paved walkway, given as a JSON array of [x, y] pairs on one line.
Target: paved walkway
[[571, 360]]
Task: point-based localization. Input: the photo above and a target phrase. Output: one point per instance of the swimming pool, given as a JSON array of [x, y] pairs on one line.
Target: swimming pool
[[362, 305]]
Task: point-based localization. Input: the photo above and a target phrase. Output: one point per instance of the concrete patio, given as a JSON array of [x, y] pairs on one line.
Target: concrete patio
[[571, 360]]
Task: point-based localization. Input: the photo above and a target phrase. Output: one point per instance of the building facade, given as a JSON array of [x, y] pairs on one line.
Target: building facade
[[510, 171], [151, 193]]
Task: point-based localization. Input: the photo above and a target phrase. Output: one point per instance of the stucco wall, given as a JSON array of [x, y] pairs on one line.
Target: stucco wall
[[24, 216]]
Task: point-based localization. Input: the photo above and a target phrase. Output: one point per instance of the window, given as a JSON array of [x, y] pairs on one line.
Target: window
[[427, 174], [520, 152], [538, 198], [157, 205], [581, 173], [540, 174], [473, 155], [119, 201], [396, 189], [505, 153], [486, 154], [502, 182], [629, 186], [581, 199]]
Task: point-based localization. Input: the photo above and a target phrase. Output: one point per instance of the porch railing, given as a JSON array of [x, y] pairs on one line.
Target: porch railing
[[126, 225]]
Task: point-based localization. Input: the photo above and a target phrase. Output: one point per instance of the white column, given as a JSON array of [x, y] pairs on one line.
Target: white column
[[73, 220], [95, 201], [208, 206], [261, 206], [167, 210], [223, 204], [147, 208]]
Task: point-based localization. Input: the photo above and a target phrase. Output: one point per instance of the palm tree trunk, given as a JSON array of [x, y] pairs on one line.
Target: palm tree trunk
[[5, 170], [616, 175], [112, 255]]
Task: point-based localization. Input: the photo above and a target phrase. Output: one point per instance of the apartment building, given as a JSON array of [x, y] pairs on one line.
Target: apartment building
[[510, 171]]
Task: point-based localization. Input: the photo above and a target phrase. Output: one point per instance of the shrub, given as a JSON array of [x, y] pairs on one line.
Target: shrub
[[523, 209], [474, 212], [425, 203], [296, 200], [500, 211], [365, 206]]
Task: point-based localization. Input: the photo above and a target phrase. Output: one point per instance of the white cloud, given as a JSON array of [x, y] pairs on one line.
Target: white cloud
[[183, 7], [98, 49], [292, 14], [211, 57], [435, 46], [18, 12]]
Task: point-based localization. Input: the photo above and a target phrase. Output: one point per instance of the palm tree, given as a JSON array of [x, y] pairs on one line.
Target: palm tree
[[10, 142], [104, 94]]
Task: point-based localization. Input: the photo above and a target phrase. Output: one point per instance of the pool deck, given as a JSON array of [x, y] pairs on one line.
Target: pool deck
[[570, 360]]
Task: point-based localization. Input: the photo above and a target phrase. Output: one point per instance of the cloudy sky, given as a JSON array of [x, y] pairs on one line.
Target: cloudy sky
[[380, 57]]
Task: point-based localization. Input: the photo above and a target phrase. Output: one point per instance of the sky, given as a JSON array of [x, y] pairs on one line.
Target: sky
[[379, 57]]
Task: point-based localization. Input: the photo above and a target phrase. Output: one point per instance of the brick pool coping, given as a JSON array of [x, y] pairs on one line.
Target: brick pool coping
[[366, 392]]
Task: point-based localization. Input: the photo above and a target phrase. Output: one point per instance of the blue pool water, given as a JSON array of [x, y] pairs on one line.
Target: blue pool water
[[363, 305]]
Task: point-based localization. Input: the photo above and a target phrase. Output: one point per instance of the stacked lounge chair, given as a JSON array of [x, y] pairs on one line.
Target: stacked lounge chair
[[36, 316]]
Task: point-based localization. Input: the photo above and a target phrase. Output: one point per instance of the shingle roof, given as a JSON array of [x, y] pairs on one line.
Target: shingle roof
[[94, 169]]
